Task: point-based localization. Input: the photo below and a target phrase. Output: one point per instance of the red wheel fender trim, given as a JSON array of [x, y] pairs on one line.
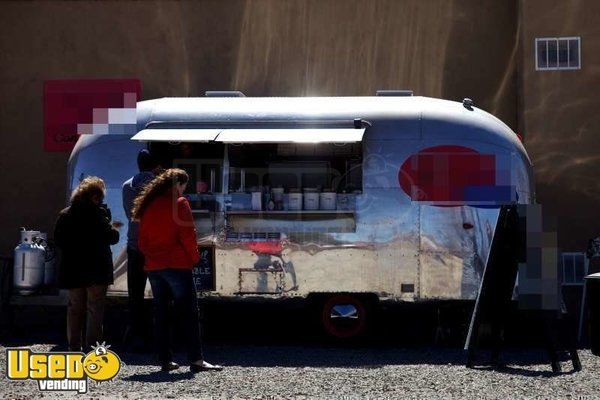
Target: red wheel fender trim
[[334, 330]]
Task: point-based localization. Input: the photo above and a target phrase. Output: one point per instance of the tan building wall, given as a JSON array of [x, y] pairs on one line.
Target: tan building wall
[[440, 48], [560, 119]]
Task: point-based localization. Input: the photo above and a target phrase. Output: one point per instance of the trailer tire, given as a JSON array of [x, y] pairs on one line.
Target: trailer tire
[[344, 316]]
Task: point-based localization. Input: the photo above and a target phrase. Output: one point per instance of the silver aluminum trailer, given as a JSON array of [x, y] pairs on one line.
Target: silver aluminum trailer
[[418, 181]]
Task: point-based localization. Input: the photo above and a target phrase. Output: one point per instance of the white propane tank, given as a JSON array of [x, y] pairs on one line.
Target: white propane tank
[[29, 236], [49, 262], [28, 269]]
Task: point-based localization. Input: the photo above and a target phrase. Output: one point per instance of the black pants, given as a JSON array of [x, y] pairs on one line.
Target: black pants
[[593, 302], [136, 284], [178, 285]]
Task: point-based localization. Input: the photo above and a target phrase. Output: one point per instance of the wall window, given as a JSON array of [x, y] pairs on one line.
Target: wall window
[[574, 268], [557, 53]]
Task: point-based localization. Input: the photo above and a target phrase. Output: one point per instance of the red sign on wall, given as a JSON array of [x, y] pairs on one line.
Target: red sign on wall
[[71, 104]]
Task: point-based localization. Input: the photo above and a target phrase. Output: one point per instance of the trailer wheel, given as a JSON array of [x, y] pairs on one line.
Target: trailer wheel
[[344, 316]]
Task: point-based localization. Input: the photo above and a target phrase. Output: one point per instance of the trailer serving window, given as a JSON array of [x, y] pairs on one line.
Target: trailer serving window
[[192, 150], [294, 159], [323, 166], [291, 159], [203, 163]]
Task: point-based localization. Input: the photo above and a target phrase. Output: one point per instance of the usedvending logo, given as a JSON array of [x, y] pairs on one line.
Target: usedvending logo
[[63, 371]]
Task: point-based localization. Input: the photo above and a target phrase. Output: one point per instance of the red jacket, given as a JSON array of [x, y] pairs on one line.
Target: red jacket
[[167, 235]]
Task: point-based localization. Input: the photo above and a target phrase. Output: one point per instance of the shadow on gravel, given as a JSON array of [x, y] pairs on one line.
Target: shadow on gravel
[[360, 357], [297, 357], [283, 335], [159, 376], [525, 372], [319, 357]]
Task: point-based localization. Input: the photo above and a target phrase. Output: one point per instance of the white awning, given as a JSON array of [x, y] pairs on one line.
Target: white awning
[[317, 135], [176, 135], [594, 276], [322, 135]]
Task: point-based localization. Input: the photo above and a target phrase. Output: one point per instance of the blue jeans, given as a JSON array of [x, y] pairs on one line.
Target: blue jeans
[[177, 285]]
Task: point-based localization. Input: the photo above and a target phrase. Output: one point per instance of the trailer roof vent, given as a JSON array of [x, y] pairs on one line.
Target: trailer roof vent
[[223, 93], [468, 104], [395, 93]]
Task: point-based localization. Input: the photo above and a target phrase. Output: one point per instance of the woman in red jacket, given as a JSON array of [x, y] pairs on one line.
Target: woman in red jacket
[[167, 239]]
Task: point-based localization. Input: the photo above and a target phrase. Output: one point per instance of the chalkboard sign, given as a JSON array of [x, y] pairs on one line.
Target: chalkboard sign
[[204, 271]]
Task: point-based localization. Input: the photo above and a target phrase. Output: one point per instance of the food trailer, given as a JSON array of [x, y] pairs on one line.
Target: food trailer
[[346, 201]]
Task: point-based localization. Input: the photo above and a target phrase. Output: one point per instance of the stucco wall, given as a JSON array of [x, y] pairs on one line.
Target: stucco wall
[[560, 117], [439, 48]]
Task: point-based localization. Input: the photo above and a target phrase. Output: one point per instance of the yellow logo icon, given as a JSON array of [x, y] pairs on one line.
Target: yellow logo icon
[[63, 371], [101, 364]]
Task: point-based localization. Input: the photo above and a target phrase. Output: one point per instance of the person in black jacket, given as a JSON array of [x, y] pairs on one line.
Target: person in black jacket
[[83, 234]]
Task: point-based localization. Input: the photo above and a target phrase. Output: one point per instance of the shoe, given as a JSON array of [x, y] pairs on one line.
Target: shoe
[[576, 364], [199, 366], [169, 366]]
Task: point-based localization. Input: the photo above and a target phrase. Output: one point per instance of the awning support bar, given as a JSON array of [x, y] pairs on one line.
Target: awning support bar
[[356, 123]]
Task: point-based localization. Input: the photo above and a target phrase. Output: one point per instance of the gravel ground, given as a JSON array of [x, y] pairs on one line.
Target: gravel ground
[[299, 372]]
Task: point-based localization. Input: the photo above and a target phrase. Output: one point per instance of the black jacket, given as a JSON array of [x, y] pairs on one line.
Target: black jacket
[[83, 235]]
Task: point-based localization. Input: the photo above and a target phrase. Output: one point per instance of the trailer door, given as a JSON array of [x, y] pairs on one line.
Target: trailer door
[[458, 190]]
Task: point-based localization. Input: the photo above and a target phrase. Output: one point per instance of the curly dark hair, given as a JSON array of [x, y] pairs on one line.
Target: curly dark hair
[[87, 189], [160, 185]]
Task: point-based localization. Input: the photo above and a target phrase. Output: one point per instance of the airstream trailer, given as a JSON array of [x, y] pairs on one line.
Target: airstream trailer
[[346, 200]]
